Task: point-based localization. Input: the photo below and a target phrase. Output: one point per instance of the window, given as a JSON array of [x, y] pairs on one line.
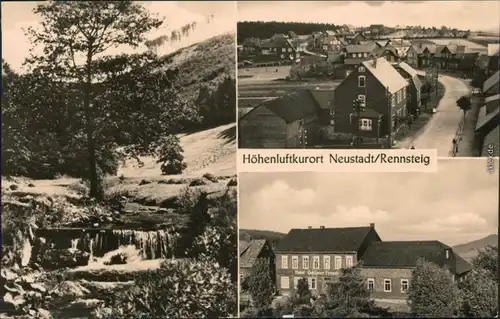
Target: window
[[332, 112], [316, 262], [404, 92], [404, 285], [364, 125], [295, 262], [348, 259], [393, 100], [362, 98], [284, 262], [387, 285], [295, 282], [305, 262], [289, 49], [326, 262], [282, 56], [371, 284], [365, 54], [285, 282], [361, 81], [332, 122], [312, 283], [338, 262], [361, 69]]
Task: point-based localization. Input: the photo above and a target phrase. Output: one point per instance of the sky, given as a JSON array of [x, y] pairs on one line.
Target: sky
[[456, 14], [456, 205], [19, 15]]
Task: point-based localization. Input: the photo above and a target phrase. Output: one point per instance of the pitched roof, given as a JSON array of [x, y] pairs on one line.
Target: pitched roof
[[323, 239], [293, 106], [361, 48], [489, 121], [250, 254], [461, 265], [385, 73], [405, 254], [491, 81], [492, 99], [411, 71], [324, 98]]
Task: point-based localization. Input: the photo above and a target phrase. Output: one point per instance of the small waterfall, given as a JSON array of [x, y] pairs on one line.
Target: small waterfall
[[74, 244], [157, 244], [26, 252], [91, 249]]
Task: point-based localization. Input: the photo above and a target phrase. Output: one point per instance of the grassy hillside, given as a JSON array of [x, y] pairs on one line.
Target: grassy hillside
[[470, 250], [207, 62], [248, 234]]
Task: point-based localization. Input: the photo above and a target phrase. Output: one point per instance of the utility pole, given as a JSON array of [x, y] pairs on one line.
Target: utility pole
[[358, 107], [389, 119], [303, 135]]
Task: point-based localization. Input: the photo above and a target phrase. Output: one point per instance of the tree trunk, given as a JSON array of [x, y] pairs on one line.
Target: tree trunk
[[93, 178]]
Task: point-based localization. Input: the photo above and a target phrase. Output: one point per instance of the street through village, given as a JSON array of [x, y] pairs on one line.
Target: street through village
[[439, 132]]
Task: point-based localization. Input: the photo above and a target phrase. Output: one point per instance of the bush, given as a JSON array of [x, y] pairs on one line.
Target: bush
[[479, 295], [170, 155], [185, 289], [432, 292]]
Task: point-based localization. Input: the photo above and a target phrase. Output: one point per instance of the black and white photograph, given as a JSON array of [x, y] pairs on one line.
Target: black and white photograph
[[369, 75], [119, 194], [361, 245]]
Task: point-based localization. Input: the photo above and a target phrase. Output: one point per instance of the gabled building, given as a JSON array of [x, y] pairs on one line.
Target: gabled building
[[279, 47], [384, 91], [354, 55], [415, 87], [329, 42], [356, 38], [250, 252], [449, 56], [388, 52], [289, 121], [251, 46], [387, 266], [319, 254]]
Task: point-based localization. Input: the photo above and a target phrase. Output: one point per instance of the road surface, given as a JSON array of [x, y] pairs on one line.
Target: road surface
[[439, 132]]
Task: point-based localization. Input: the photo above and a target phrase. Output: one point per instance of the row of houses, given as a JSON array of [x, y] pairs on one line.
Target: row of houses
[[487, 131], [391, 94], [351, 48], [319, 255]]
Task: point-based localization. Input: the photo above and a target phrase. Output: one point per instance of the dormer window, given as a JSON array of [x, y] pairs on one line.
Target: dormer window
[[361, 69]]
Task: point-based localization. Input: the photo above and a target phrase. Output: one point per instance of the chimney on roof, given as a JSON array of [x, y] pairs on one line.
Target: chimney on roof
[[322, 227], [372, 225], [309, 227]]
